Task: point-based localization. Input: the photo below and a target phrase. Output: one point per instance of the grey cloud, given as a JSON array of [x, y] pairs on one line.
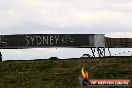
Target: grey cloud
[[59, 13], [62, 16], [30, 28], [119, 1]]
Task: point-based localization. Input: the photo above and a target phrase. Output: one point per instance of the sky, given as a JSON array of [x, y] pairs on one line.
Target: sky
[[110, 17]]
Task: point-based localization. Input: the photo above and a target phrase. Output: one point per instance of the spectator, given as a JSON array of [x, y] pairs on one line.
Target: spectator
[[85, 79]]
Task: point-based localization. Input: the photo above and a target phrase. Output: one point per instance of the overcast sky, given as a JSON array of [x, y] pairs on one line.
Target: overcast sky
[[110, 17]]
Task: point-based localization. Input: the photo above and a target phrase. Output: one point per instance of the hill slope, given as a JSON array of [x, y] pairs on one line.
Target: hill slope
[[61, 73]]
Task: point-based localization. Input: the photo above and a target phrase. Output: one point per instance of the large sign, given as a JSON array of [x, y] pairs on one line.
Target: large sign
[[51, 40], [118, 42]]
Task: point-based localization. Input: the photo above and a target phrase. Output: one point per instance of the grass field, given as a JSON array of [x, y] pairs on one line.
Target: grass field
[[61, 73]]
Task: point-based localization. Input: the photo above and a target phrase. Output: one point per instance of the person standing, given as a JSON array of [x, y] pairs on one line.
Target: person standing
[[0, 57], [85, 77]]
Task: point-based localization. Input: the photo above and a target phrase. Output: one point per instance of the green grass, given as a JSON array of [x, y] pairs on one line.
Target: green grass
[[61, 73]]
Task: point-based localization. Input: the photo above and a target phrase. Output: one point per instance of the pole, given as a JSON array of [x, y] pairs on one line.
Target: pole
[[0, 57]]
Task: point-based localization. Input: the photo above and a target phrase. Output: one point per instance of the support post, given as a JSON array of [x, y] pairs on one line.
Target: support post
[[93, 51], [101, 51], [109, 51], [0, 57]]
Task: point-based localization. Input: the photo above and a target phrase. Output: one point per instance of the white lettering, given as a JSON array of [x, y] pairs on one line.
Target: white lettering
[[51, 40], [28, 41], [3, 40], [39, 40], [45, 40], [32, 39], [42, 40], [56, 39]]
